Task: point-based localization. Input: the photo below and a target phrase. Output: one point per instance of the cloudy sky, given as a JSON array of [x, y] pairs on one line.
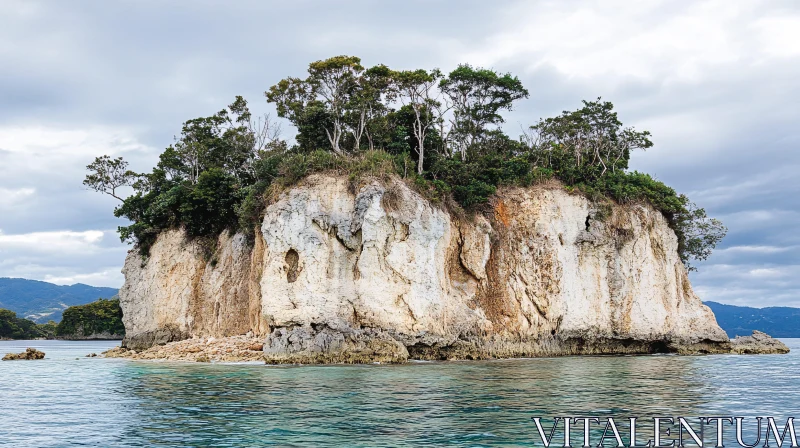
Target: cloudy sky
[[716, 82]]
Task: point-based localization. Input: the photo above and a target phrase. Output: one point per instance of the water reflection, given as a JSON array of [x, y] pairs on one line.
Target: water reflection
[[418, 404], [437, 403]]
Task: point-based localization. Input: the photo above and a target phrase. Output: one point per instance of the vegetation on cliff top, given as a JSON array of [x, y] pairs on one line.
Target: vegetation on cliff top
[[442, 133], [102, 316]]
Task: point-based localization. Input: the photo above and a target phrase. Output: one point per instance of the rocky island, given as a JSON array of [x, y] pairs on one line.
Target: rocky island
[[101, 319], [757, 343], [414, 235], [30, 354]]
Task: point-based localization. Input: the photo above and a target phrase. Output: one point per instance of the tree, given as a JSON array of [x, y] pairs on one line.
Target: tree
[[102, 316], [417, 89], [698, 234], [106, 175], [221, 171], [590, 135], [330, 83], [13, 327], [231, 140], [249, 137], [210, 207], [477, 95], [365, 109]]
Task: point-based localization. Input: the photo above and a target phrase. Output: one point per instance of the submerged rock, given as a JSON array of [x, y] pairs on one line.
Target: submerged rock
[[759, 343], [28, 355]]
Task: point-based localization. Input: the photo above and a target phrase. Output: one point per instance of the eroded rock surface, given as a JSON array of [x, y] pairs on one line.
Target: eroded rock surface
[[757, 344], [180, 291], [375, 273]]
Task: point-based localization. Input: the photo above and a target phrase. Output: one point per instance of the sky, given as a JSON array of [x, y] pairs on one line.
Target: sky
[[715, 81]]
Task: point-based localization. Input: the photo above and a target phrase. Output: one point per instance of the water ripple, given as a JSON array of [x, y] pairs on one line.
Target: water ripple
[[69, 400]]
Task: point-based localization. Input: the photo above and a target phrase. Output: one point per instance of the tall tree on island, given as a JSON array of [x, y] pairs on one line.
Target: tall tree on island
[[330, 83], [366, 109], [477, 96], [417, 89]]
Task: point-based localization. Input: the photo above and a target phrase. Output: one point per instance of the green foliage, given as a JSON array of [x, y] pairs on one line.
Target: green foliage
[[584, 145], [249, 211], [209, 207], [102, 316], [477, 96], [311, 123], [295, 167], [47, 330], [697, 233], [495, 160], [326, 100], [107, 175], [201, 180], [474, 182], [439, 132], [13, 327]]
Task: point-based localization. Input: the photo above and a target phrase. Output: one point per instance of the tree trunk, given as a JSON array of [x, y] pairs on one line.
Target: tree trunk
[[369, 139], [421, 157], [420, 132]]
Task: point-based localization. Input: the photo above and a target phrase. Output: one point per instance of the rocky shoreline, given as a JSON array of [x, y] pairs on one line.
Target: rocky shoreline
[[105, 336], [248, 348], [227, 349]]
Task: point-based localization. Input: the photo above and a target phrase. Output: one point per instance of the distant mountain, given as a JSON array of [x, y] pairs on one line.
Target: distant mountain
[[42, 301], [778, 322]]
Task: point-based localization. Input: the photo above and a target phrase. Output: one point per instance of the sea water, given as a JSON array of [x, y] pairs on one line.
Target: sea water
[[70, 400]]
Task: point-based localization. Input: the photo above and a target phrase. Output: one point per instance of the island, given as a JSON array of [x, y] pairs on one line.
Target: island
[[404, 223], [101, 319]]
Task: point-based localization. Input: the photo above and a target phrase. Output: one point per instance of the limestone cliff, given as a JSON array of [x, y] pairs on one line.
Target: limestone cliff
[[374, 272]]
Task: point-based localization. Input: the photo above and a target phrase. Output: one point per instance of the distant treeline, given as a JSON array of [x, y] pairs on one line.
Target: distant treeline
[[13, 327], [103, 317]]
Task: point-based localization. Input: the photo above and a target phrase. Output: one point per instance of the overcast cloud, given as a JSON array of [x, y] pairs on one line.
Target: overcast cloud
[[715, 81]]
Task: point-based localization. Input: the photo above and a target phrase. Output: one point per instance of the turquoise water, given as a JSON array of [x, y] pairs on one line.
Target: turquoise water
[[69, 400]]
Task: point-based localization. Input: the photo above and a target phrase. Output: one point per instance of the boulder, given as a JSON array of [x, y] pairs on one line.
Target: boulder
[[27, 355], [759, 343]]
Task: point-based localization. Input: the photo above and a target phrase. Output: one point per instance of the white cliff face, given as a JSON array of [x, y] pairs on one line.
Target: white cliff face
[[578, 271], [156, 296], [357, 264], [382, 275], [179, 292]]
